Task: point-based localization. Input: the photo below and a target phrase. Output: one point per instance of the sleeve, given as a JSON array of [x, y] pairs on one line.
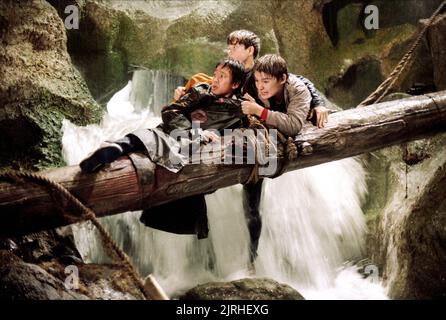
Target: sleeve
[[316, 98], [177, 114], [291, 123]]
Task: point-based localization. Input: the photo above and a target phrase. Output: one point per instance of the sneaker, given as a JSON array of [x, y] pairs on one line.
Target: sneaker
[[107, 153]]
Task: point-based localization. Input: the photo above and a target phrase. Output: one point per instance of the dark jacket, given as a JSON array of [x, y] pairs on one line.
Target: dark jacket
[[200, 105], [187, 215]]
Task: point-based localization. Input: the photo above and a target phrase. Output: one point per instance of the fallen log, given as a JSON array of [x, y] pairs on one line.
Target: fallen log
[[132, 183]]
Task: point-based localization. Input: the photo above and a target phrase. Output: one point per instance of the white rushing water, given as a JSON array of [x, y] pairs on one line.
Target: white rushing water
[[313, 227]]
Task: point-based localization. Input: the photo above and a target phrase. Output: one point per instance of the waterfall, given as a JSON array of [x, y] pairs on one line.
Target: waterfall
[[313, 226], [153, 89]]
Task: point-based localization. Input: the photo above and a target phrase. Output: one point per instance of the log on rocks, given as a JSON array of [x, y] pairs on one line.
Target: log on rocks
[[127, 185]]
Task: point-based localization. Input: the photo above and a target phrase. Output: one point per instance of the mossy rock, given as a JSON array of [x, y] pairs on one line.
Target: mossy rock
[[405, 217], [39, 88], [243, 289]]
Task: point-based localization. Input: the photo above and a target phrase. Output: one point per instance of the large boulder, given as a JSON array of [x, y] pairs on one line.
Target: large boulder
[[63, 280], [406, 214], [243, 289], [47, 266], [39, 86], [24, 281]]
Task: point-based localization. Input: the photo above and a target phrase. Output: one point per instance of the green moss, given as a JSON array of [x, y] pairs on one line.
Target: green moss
[[41, 120], [328, 61], [380, 185], [193, 56]]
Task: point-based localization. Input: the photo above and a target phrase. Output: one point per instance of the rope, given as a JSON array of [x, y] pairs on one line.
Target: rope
[[254, 123], [111, 247], [388, 84], [290, 147]]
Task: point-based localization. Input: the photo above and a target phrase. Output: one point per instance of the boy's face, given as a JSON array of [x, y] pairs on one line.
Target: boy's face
[[222, 82], [237, 51], [267, 85]]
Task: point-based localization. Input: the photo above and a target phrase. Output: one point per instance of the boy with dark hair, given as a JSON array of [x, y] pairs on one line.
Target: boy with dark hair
[[244, 46], [281, 100], [215, 106]]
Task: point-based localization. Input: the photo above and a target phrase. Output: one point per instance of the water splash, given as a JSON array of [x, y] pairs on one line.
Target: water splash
[[153, 89], [313, 226]]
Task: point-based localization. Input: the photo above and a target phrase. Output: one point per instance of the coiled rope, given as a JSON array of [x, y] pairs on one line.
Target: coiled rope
[[290, 146], [112, 248]]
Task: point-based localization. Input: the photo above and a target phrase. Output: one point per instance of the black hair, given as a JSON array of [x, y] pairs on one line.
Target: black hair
[[238, 75], [272, 64], [245, 37]]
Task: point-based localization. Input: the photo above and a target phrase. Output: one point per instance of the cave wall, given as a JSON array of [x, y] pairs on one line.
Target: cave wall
[[39, 86], [406, 217], [186, 38]]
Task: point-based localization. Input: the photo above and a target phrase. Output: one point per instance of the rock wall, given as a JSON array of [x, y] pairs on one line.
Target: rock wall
[[39, 86], [406, 213], [323, 40], [437, 40]]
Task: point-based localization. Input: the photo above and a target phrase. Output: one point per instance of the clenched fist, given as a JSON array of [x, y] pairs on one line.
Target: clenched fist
[[179, 92], [250, 106]]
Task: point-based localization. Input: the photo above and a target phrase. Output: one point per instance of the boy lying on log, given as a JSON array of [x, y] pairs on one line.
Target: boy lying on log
[[215, 106]]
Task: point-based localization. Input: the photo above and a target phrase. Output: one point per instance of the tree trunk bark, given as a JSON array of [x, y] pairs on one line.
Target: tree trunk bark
[[126, 185]]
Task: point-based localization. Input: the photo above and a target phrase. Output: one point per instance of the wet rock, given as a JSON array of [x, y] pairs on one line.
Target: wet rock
[[24, 281], [244, 289], [46, 261], [358, 81], [301, 36], [406, 214], [96, 281], [53, 280], [182, 37], [355, 44], [108, 282], [39, 86], [437, 42], [46, 245]]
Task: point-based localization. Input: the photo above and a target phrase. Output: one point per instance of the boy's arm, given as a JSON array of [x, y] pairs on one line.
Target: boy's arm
[[291, 123], [177, 114], [196, 78], [318, 114]]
